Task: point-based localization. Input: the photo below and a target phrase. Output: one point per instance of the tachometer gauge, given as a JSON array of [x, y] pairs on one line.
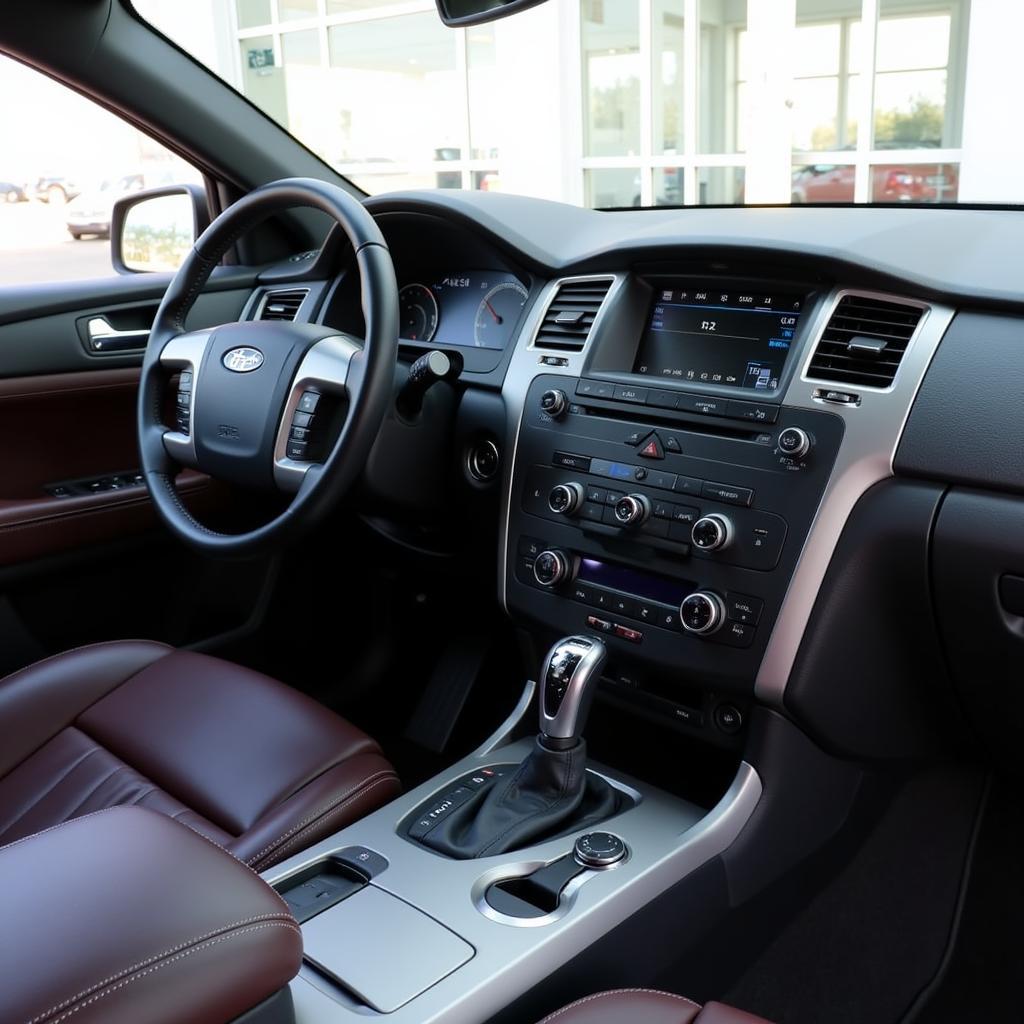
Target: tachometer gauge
[[417, 313], [497, 314]]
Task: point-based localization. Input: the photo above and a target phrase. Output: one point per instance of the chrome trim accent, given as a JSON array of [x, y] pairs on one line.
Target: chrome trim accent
[[502, 736], [715, 607], [723, 528], [473, 461], [271, 292], [564, 723], [872, 434], [324, 368], [184, 352]]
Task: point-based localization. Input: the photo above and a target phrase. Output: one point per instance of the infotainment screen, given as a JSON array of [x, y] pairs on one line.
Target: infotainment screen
[[709, 335]]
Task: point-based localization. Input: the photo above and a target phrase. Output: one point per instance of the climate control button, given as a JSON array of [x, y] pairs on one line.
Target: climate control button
[[711, 532], [702, 612], [551, 567], [632, 510], [795, 442], [565, 498], [554, 402]]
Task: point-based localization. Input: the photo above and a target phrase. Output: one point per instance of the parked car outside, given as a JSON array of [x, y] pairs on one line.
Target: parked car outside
[[56, 190], [11, 193], [890, 183], [90, 213]]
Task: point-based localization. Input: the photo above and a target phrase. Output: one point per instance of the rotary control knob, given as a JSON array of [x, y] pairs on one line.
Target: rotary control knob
[[632, 510], [554, 402], [711, 532], [702, 612], [565, 498], [794, 441], [551, 567], [599, 850]]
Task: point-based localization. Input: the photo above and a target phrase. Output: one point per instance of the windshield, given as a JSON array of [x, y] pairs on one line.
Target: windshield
[[631, 103]]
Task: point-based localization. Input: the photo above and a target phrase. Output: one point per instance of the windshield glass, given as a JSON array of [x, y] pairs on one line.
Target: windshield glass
[[627, 103]]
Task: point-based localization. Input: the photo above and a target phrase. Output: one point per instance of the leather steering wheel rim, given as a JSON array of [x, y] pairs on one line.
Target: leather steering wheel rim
[[361, 374]]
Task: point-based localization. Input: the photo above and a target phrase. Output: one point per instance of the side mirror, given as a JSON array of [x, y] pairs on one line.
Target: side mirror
[[152, 231], [456, 13]]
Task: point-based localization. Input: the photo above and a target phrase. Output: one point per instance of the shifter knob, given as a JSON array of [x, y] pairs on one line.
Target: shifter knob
[[567, 683]]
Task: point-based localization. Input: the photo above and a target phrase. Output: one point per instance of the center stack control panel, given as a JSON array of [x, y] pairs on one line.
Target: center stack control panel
[[667, 522]]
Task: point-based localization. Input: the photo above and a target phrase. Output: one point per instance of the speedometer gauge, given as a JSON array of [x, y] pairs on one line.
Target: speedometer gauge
[[497, 314], [417, 310]]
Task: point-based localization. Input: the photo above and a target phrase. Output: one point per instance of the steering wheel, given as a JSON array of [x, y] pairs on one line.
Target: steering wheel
[[242, 414]]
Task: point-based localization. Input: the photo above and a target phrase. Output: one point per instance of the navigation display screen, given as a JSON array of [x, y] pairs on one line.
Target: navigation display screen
[[738, 339]]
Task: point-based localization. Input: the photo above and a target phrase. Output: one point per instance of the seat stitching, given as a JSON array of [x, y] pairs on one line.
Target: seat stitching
[[339, 802], [60, 824], [42, 796], [269, 920], [617, 992]]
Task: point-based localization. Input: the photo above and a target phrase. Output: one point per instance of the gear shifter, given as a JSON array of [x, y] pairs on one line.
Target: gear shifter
[[550, 793], [568, 679]]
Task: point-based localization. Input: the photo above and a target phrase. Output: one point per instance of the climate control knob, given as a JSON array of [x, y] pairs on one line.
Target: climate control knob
[[551, 567], [702, 612], [565, 498], [711, 532], [632, 510], [794, 441], [554, 402]]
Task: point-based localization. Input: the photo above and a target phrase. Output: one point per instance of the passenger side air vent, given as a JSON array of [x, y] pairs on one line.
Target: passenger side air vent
[[571, 315], [283, 305], [864, 341]]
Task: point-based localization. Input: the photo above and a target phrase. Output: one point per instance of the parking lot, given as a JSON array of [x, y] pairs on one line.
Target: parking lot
[[35, 246]]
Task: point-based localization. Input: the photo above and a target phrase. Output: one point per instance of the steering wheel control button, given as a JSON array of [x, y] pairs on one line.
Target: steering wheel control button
[[185, 382], [795, 442], [599, 850], [565, 499], [551, 567], [296, 450], [308, 401], [301, 419], [299, 434], [554, 402], [632, 510], [651, 447], [711, 533], [702, 613]]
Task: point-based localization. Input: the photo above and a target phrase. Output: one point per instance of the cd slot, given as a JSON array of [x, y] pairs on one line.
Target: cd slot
[[653, 417]]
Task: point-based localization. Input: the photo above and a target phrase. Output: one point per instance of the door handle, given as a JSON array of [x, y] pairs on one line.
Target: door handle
[[105, 338]]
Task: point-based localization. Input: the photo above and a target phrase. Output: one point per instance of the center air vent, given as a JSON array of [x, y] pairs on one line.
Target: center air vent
[[864, 341], [571, 315], [283, 305]]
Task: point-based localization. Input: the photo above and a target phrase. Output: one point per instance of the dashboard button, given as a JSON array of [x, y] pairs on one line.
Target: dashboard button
[[601, 598], [627, 393], [672, 444], [728, 493], [704, 405], [582, 592], [755, 412], [650, 447], [612, 497], [668, 618], [743, 608], [623, 605], [658, 478], [645, 611], [592, 510], [736, 634], [685, 514], [662, 399], [570, 461], [655, 528], [594, 389], [603, 625], [635, 438], [595, 494], [662, 509], [634, 636], [531, 547], [688, 485]]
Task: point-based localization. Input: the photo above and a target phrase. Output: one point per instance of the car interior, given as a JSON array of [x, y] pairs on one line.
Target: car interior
[[411, 611]]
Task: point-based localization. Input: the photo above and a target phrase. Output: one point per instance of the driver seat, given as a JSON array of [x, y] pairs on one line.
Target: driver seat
[[251, 764]]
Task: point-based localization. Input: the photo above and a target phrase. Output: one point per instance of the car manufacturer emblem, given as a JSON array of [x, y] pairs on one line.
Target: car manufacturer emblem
[[243, 360]]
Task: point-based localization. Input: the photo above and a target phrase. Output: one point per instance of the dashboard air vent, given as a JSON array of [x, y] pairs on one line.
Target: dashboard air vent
[[571, 315], [283, 305], [864, 341]]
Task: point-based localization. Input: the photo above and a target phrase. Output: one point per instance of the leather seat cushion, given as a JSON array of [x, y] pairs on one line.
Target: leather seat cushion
[[647, 1006], [250, 763]]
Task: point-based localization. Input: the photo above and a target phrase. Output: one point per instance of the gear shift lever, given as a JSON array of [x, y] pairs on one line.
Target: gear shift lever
[[550, 792], [568, 679]]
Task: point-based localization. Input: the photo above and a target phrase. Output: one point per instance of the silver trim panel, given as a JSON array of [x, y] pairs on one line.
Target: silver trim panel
[[185, 352], [873, 429]]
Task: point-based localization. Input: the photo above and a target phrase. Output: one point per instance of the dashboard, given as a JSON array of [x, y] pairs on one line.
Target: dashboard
[[686, 413]]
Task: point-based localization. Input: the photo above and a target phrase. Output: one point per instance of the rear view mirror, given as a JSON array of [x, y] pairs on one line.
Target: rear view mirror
[[153, 231], [455, 13]]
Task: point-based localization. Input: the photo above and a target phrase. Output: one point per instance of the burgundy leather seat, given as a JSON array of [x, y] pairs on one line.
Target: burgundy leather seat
[[253, 765], [646, 1006]]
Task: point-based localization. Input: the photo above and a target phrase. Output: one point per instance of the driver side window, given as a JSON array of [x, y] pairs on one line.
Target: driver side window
[[64, 164]]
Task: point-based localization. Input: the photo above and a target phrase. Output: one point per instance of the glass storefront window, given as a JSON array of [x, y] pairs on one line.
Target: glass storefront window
[[252, 13], [667, 99], [262, 79], [915, 183], [823, 183], [484, 92], [723, 76], [611, 187], [610, 33], [288, 10], [668, 186], [720, 186]]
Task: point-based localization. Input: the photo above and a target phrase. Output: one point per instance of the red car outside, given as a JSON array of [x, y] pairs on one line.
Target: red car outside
[[890, 183]]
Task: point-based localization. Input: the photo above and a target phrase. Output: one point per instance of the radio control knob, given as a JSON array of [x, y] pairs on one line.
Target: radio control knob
[[632, 510], [702, 612], [551, 567], [565, 498], [794, 441], [554, 402], [711, 532]]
